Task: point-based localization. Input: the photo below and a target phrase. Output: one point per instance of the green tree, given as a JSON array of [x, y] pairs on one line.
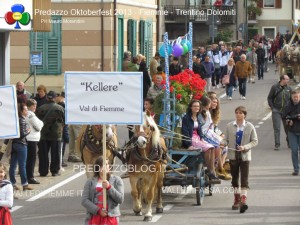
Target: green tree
[[222, 35]]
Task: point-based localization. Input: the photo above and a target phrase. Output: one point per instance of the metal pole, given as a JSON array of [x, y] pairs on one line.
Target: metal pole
[[186, 17], [213, 27], [246, 24], [167, 93], [104, 163], [191, 49], [34, 78]]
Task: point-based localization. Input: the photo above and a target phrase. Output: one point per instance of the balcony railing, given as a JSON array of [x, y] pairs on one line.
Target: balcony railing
[[252, 18], [181, 13]]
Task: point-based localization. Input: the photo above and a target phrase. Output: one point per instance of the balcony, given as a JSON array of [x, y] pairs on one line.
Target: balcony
[[252, 18], [200, 14]]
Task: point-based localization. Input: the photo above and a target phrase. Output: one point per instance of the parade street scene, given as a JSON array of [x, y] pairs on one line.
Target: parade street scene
[[149, 111]]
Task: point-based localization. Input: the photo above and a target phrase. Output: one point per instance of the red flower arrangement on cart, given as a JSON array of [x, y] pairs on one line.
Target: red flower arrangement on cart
[[187, 85]]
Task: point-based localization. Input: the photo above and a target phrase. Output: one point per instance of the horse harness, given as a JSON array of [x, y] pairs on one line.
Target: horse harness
[[95, 144], [157, 154]]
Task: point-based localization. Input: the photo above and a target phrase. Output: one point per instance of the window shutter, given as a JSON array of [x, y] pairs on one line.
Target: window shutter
[[278, 4], [142, 37], [131, 36], [260, 3], [50, 45], [134, 37]]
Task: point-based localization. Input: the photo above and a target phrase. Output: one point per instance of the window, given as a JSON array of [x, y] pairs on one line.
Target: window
[[297, 4], [50, 45], [269, 3], [131, 36], [269, 32]]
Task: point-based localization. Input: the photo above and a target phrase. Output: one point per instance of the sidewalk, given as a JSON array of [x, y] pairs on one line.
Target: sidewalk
[[45, 182]]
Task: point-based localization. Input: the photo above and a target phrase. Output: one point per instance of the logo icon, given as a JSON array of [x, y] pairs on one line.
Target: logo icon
[[17, 15]]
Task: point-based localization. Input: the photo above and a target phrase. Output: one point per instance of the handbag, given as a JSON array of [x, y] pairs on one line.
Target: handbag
[[225, 79], [5, 216]]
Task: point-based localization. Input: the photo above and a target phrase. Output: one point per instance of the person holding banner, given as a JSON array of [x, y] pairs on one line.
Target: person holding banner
[[92, 196], [240, 137]]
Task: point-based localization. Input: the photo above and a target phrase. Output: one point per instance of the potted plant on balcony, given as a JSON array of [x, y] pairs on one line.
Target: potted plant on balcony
[[253, 9]]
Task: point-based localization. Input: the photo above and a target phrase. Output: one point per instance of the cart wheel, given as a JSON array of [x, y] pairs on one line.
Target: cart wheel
[[210, 190], [200, 189], [200, 195]]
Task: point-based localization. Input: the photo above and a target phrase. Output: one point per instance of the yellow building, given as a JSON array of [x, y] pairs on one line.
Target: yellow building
[[86, 35]]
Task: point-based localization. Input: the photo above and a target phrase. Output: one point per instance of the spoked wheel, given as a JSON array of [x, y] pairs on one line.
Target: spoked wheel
[[200, 189], [210, 190]]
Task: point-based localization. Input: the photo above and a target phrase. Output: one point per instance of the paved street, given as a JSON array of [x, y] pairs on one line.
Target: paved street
[[273, 198]]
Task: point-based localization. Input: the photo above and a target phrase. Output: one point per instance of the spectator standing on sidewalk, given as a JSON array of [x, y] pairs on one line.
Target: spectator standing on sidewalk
[[53, 116], [252, 58], [41, 96], [241, 137], [260, 61], [278, 98], [154, 63], [20, 86], [207, 72], [19, 150], [242, 71], [266, 47], [33, 138], [291, 114], [229, 70]]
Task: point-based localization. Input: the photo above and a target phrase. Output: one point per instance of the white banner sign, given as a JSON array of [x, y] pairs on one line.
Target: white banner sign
[[104, 97], [16, 15], [9, 120]]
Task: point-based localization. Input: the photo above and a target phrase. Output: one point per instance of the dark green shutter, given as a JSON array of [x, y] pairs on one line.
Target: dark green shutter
[[50, 44], [131, 36], [120, 41], [142, 37]]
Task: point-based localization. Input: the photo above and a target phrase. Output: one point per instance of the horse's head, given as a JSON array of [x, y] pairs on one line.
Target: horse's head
[[148, 132]]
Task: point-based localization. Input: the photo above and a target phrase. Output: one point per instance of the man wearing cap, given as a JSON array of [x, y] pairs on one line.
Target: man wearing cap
[[53, 116]]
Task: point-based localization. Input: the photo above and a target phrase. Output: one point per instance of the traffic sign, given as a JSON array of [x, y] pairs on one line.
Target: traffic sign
[[242, 28], [36, 58], [213, 30]]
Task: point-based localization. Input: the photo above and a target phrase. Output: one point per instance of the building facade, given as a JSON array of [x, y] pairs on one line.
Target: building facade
[[228, 17], [86, 35], [277, 16]]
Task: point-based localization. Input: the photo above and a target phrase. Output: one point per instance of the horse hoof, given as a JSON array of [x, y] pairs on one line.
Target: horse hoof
[[147, 218], [159, 210], [138, 213]]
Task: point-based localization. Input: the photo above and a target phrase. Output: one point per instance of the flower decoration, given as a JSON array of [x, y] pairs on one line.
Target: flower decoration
[[187, 86], [17, 15]]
